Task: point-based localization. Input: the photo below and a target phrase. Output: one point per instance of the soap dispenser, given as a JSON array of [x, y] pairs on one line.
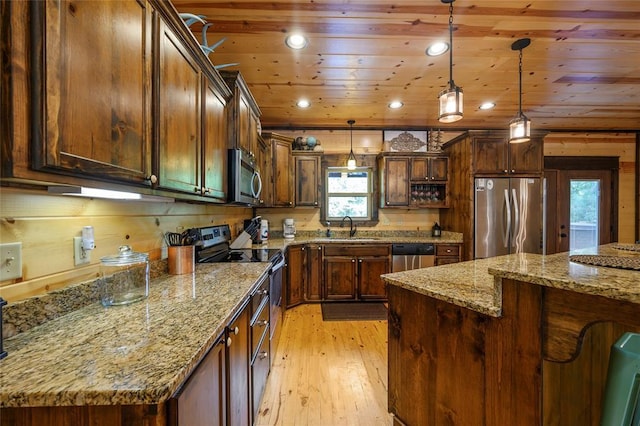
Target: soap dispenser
[[436, 231]]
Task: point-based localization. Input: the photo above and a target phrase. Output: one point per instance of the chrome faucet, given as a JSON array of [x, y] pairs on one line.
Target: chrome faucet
[[352, 229]]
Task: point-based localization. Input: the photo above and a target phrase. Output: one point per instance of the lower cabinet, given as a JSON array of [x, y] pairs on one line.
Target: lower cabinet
[[447, 253], [352, 272], [313, 287], [201, 401], [238, 369], [260, 349], [295, 277]]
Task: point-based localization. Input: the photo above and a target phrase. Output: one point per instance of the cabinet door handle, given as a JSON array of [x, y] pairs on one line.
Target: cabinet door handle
[[196, 189], [506, 171], [263, 355], [262, 323], [359, 260], [152, 178], [353, 261], [236, 330], [229, 341], [319, 247]]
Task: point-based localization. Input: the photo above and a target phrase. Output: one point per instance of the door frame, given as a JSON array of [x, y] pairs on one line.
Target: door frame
[[555, 168]]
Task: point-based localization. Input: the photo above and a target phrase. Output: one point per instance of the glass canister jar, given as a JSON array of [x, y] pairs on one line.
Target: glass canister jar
[[125, 277]]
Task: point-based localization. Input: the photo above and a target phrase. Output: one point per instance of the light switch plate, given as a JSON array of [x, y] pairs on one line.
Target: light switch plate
[[80, 256], [10, 261]]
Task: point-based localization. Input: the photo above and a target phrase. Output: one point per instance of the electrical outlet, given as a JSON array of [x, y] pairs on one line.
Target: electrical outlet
[[80, 255], [10, 261]]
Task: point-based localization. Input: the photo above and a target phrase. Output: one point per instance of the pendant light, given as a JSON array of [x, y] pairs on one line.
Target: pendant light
[[520, 126], [450, 98], [351, 162]]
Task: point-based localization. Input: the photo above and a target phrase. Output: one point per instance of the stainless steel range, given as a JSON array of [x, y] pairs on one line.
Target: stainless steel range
[[213, 246]]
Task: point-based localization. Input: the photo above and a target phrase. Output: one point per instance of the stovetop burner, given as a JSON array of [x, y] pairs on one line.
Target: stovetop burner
[[213, 247]]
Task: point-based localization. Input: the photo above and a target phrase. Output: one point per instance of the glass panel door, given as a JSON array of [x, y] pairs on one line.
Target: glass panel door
[[584, 201]]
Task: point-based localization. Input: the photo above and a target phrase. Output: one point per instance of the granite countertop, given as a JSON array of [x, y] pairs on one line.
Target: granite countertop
[[477, 284], [135, 354]]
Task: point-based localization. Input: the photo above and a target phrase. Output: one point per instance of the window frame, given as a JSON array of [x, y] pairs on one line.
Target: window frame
[[369, 194], [363, 160]]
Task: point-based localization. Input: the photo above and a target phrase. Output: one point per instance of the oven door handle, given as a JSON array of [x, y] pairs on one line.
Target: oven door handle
[[278, 265]]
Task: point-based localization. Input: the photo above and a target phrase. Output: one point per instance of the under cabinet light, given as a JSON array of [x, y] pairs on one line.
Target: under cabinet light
[[82, 191]]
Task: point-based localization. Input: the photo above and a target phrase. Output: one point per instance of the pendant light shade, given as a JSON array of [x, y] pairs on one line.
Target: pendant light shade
[[351, 162], [450, 98], [520, 126]]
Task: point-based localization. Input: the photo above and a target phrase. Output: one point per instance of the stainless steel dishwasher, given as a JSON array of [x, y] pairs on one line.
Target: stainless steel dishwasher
[[412, 256]]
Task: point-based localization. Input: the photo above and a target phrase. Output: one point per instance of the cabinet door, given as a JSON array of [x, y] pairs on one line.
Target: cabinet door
[[526, 157], [282, 174], [419, 169], [313, 290], [370, 285], [266, 172], [243, 123], [439, 168], [307, 178], [214, 152], [238, 369], [340, 278], [296, 275], [396, 182], [179, 115], [490, 155], [202, 400], [95, 89]]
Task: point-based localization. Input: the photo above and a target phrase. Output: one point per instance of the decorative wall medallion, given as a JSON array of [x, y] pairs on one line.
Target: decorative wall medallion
[[406, 141]]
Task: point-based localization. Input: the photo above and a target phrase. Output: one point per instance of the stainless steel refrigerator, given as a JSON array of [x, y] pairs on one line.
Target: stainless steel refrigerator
[[509, 216]]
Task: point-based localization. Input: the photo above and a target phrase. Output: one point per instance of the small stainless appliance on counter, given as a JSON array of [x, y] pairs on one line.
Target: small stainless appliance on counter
[[412, 256]]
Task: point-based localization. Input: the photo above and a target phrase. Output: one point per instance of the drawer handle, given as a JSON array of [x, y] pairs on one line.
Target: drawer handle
[[448, 250], [263, 355], [262, 323]]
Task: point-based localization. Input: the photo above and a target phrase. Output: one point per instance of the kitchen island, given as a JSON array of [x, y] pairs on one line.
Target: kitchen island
[[520, 339], [133, 359]]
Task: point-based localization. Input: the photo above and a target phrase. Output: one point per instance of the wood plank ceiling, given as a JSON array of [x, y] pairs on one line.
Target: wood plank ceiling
[[581, 71]]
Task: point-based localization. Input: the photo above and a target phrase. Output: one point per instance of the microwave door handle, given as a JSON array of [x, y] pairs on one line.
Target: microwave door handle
[[256, 176]]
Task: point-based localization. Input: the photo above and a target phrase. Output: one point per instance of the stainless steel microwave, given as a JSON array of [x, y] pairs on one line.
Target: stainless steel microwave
[[245, 183]]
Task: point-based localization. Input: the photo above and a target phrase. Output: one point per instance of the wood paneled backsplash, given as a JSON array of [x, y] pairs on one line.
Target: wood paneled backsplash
[[46, 225]]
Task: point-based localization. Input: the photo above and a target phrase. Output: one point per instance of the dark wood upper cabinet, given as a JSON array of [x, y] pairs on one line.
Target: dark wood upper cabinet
[[93, 90], [307, 179], [179, 114], [413, 180], [243, 114], [214, 144], [493, 154], [395, 181]]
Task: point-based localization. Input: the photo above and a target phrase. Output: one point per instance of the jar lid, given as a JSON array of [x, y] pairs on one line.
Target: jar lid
[[126, 256]]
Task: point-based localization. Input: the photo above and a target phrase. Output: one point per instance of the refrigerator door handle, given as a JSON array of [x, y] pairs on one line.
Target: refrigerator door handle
[[507, 228], [516, 215]]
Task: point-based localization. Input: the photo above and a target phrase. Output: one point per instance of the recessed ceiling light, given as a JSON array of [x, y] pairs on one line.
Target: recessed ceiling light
[[395, 104], [437, 48], [303, 103], [296, 41], [487, 105]]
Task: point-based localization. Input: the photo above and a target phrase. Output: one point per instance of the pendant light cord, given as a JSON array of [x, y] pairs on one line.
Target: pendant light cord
[[520, 83], [451, 44]]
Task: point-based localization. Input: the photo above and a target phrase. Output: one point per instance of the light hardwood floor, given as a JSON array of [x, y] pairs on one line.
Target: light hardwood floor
[[327, 373]]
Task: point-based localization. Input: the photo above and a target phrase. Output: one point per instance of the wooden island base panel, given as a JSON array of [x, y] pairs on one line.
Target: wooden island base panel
[[540, 360]]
